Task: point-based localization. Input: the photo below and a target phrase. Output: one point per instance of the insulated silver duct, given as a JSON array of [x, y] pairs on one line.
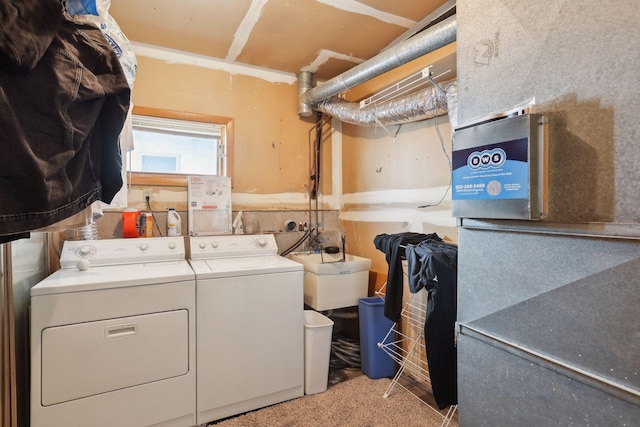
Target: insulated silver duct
[[421, 105], [422, 43]]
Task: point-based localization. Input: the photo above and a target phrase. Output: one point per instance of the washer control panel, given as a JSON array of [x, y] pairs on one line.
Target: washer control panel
[[228, 246], [121, 251]]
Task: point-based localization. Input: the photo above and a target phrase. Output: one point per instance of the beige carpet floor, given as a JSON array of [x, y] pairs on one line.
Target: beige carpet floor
[[356, 402]]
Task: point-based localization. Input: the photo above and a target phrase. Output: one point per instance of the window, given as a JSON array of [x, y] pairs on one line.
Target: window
[[167, 164], [169, 146]]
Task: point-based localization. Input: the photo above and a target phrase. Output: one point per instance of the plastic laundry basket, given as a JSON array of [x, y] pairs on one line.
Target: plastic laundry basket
[[374, 326], [317, 348]]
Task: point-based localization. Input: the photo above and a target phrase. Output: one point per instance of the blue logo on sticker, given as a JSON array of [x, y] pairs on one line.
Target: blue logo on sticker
[[486, 159]]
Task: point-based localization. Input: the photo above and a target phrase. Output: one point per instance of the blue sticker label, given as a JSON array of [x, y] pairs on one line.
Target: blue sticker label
[[496, 171], [114, 45]]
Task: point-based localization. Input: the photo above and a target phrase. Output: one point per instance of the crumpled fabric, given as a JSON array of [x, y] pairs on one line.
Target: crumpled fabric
[[63, 102], [97, 13], [26, 31], [433, 265], [420, 263], [393, 245]]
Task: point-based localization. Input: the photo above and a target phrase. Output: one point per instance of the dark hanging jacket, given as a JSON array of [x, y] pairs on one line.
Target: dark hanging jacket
[[433, 265], [63, 102]]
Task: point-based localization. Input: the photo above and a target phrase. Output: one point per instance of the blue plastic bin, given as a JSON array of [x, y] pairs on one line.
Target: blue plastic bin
[[374, 362]]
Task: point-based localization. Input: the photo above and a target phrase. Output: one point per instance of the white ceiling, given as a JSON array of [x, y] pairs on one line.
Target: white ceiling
[[326, 37]]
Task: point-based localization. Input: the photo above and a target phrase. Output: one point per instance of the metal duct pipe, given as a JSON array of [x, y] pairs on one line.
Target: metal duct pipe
[[305, 83], [422, 43], [421, 105]]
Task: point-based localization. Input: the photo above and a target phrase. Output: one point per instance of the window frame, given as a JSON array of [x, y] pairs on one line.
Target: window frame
[[176, 179]]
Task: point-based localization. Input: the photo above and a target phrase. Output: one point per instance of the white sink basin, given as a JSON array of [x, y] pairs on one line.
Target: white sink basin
[[331, 283], [331, 263]]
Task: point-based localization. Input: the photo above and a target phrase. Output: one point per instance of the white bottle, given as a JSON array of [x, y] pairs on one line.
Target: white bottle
[[174, 227]]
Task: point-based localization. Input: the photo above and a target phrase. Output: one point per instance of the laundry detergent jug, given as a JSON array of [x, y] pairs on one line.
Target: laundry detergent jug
[[174, 227]]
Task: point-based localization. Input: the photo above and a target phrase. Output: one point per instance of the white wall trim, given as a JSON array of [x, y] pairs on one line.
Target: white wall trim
[[363, 9], [415, 218], [244, 29], [324, 55], [271, 200], [172, 56], [421, 196]]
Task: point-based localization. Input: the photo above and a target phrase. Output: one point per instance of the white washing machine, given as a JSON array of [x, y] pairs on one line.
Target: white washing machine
[[250, 326], [113, 336]]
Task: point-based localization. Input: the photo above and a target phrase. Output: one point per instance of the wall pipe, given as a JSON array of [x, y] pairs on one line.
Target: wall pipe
[[422, 43], [305, 83]]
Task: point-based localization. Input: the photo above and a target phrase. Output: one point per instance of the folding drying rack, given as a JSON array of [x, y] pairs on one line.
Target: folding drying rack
[[408, 348]]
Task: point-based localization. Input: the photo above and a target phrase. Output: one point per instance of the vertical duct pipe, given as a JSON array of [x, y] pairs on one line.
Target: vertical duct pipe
[[305, 83], [422, 43]]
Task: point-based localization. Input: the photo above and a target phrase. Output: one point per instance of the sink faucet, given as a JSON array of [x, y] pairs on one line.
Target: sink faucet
[[315, 243]]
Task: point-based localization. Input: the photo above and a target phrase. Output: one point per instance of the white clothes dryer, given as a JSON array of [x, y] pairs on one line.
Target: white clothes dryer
[[113, 336], [250, 326]]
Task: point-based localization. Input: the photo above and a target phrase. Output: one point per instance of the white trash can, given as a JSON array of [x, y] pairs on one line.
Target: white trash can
[[317, 349]]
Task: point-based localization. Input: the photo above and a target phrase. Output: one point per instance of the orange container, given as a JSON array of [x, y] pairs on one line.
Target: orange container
[[130, 222]]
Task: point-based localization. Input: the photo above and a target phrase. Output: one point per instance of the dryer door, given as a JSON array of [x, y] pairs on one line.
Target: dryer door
[[90, 358]]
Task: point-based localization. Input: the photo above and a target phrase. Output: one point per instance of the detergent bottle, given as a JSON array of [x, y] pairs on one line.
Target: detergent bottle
[[174, 227]]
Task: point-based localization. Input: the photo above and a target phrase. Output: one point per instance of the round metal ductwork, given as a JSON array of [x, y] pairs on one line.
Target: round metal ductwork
[[305, 83], [421, 105], [441, 34]]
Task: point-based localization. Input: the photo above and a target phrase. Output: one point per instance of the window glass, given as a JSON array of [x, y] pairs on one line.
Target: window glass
[[166, 164], [165, 145]]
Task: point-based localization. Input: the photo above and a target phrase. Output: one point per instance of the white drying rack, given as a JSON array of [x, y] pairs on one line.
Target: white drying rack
[[408, 347]]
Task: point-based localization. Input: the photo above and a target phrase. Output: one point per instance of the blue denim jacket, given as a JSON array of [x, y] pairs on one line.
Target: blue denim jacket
[[61, 112]]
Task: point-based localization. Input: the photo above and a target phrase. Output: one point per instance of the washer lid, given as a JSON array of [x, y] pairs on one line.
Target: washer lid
[[243, 266], [106, 277]]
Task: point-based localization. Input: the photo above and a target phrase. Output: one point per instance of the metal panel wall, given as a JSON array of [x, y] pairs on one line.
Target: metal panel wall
[[578, 61], [574, 60], [504, 389], [499, 268]]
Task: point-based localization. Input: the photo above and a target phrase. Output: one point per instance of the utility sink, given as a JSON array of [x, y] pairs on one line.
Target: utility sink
[[330, 282]]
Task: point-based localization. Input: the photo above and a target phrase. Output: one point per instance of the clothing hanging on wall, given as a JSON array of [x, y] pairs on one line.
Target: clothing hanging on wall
[[393, 247], [433, 265], [63, 102], [97, 13]]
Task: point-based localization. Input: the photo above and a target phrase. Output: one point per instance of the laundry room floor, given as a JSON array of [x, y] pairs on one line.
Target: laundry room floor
[[336, 376]]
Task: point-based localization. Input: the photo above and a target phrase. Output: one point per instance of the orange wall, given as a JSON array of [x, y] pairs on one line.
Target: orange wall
[[271, 145], [383, 174], [387, 174]]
